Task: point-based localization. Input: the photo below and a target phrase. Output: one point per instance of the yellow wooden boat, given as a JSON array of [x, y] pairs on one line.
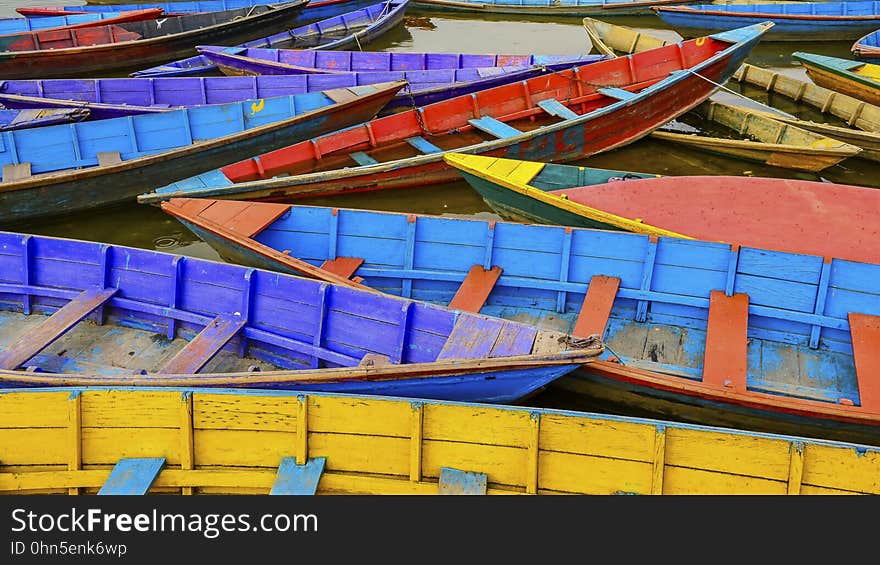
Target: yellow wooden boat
[[856, 78], [609, 39], [771, 142], [134, 441]]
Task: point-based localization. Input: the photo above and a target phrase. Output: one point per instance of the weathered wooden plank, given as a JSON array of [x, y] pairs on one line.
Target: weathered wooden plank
[[597, 305], [132, 476], [204, 346], [555, 108], [471, 338], [725, 363], [453, 481], [54, 327], [494, 127], [107, 158], [14, 172], [362, 158], [343, 266], [423, 145], [865, 330], [471, 296], [293, 479], [618, 93]]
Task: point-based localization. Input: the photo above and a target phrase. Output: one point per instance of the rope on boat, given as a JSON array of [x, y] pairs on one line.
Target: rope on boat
[[722, 87]]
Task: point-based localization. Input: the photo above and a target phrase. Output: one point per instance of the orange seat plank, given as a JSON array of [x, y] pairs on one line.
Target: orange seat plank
[[474, 291], [345, 267], [596, 308], [245, 218], [725, 363], [865, 330]]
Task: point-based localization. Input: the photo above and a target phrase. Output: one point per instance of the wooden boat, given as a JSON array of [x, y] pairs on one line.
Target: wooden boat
[[858, 79], [198, 441], [105, 49], [175, 8], [856, 113], [797, 21], [602, 8], [157, 319], [24, 119], [658, 301], [354, 29], [562, 116], [768, 140], [794, 216], [19, 25], [80, 166], [867, 48], [448, 75], [607, 38]]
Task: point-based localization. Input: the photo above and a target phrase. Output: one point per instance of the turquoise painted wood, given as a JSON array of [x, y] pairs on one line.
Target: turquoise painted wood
[[293, 479], [453, 481], [132, 476]]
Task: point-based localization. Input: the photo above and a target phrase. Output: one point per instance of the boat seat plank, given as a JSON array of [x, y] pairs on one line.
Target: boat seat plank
[[865, 330], [514, 340], [14, 172], [475, 289], [596, 308], [107, 158], [423, 145], [494, 127], [472, 337], [293, 479], [453, 481], [362, 158], [725, 362], [132, 477], [617, 93], [556, 108], [245, 218], [345, 267], [56, 325], [375, 360], [204, 346]]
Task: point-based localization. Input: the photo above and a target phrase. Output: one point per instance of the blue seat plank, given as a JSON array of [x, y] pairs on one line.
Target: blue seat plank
[[556, 108], [362, 158], [54, 327], [204, 346], [132, 476], [472, 337], [492, 126], [298, 479], [618, 93], [423, 145], [453, 481]]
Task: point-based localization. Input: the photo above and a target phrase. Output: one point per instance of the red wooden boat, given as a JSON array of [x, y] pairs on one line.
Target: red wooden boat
[[123, 17], [561, 116], [61, 53]]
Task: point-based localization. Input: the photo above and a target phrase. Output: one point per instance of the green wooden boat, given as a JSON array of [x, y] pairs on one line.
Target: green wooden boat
[[856, 78]]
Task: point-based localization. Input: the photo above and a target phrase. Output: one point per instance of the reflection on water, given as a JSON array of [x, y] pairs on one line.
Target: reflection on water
[[148, 227]]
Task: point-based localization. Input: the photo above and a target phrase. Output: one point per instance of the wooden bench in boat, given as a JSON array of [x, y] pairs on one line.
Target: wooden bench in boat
[[476, 337], [556, 108], [293, 479], [865, 331], [204, 346], [494, 127], [475, 289], [132, 476], [596, 308], [453, 481], [725, 361]]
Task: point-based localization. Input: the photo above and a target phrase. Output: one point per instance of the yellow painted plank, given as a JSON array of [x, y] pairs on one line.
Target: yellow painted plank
[[605, 438], [728, 453], [130, 409], [476, 424], [37, 446], [359, 416], [347, 483], [364, 454], [244, 412], [681, 480], [59, 479], [841, 468], [502, 465], [243, 448], [260, 479], [587, 474], [812, 490], [33, 410], [106, 446]]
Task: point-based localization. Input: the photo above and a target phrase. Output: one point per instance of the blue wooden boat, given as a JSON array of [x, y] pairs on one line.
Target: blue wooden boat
[[80, 166], [24, 119], [352, 29], [867, 48], [326, 8], [19, 25], [694, 330], [431, 77], [797, 21], [76, 313]]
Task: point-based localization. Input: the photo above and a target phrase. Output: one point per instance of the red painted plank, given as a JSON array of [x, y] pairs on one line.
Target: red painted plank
[[475, 290], [865, 330], [204, 346], [725, 362], [343, 266], [56, 325], [596, 308]]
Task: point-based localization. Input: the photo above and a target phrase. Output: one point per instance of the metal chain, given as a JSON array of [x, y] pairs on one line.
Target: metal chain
[[412, 102]]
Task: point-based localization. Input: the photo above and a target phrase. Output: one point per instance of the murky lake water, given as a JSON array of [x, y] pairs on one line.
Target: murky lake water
[[148, 227]]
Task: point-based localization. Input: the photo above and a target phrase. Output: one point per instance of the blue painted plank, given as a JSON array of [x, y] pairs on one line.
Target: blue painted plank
[[132, 476], [293, 479], [453, 481], [471, 338], [423, 145], [556, 108], [618, 93], [362, 158], [493, 127]]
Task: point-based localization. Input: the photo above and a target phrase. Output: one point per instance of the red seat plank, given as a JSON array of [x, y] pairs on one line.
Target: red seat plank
[[345, 267], [474, 291], [865, 330], [54, 326], [596, 308], [725, 362], [204, 346]]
